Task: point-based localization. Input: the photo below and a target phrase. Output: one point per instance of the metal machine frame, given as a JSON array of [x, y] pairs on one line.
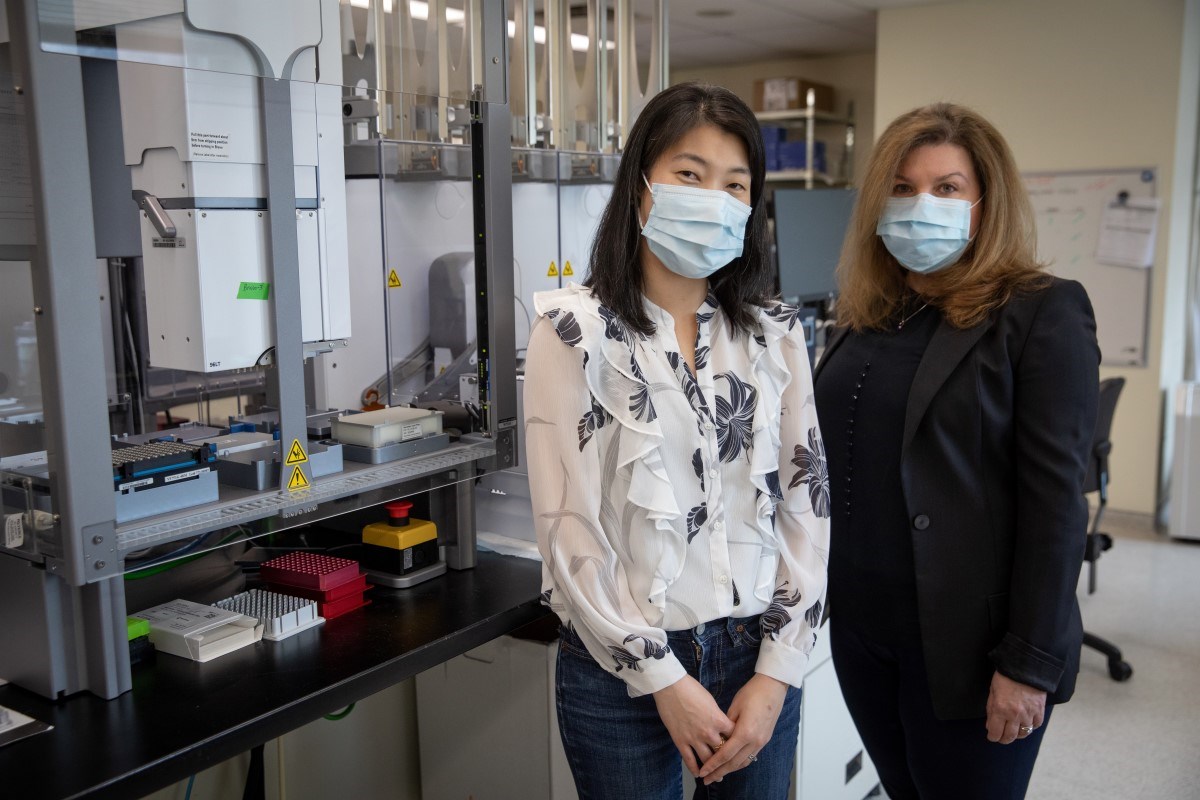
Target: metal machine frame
[[62, 603]]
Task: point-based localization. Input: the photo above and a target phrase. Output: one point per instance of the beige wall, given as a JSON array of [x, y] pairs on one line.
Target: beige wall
[[851, 76], [1072, 84]]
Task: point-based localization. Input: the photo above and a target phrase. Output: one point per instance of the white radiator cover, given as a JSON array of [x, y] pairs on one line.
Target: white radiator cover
[[1185, 474]]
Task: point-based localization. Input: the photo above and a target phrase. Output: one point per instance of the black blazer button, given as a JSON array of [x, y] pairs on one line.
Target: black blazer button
[[920, 522]]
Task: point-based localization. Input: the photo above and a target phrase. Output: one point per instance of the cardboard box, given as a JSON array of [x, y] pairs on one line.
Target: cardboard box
[[199, 632], [783, 94]]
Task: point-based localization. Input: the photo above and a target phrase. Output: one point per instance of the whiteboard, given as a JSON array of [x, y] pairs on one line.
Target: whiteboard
[[1069, 207]]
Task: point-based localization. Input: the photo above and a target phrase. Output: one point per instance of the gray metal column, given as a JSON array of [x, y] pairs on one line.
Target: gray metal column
[[454, 508], [606, 141], [285, 275], [86, 633], [67, 310], [491, 150]]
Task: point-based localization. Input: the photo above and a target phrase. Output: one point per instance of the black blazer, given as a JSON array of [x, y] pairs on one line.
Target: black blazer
[[997, 436]]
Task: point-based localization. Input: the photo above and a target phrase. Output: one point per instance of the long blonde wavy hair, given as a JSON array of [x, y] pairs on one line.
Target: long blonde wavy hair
[[1000, 261]]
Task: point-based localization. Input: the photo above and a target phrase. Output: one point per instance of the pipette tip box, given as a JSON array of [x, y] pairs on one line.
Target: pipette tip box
[[199, 632], [336, 584], [387, 426], [281, 615], [309, 570]]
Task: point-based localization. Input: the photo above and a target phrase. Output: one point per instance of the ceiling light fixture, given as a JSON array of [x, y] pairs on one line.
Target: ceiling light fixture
[[420, 10]]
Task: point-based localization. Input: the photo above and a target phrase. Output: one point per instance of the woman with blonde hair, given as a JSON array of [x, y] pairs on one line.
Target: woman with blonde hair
[[958, 401]]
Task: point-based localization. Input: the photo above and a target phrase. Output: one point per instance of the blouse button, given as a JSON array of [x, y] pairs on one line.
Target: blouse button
[[724, 579], [708, 426], [712, 473], [718, 525]]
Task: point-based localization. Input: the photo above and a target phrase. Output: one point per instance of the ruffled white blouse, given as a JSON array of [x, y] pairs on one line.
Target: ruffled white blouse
[[663, 499]]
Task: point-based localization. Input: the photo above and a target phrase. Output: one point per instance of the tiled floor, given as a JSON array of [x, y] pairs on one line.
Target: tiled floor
[[1139, 739]]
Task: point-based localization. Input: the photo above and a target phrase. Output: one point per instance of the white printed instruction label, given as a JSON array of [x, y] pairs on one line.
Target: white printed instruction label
[[183, 476], [410, 430], [14, 531], [209, 145]]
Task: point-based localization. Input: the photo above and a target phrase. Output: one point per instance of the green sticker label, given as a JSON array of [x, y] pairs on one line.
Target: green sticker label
[[253, 291]]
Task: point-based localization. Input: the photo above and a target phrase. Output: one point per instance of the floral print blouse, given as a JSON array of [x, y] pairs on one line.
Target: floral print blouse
[[663, 499]]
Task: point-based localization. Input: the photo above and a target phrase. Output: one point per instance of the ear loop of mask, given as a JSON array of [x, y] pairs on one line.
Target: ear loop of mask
[[970, 238], [642, 227]]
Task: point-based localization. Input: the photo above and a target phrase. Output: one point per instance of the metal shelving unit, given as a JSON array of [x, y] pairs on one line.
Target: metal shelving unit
[[357, 483], [810, 117]]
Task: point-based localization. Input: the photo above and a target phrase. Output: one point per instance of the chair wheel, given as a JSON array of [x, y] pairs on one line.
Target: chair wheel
[[1120, 671]]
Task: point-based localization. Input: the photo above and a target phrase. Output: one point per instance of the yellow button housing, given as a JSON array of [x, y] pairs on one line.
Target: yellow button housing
[[382, 534]]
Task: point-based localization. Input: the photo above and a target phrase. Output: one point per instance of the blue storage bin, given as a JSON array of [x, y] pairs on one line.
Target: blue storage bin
[[771, 151], [791, 155], [773, 133]]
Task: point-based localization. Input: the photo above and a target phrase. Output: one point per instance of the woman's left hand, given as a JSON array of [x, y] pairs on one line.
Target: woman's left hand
[[754, 712], [1014, 710]]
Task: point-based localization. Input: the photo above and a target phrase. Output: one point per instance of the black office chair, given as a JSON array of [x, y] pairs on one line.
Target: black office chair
[[1098, 542]]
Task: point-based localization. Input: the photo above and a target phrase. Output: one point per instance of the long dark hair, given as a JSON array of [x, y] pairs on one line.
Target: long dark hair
[[615, 271]]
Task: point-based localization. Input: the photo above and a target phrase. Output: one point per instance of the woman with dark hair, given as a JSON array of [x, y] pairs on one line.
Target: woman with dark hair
[[958, 395], [677, 473]]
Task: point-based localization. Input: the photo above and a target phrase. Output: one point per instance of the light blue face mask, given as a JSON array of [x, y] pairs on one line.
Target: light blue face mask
[[926, 233], [693, 231]]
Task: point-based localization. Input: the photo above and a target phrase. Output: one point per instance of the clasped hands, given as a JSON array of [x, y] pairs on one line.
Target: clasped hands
[[712, 743], [1014, 710]]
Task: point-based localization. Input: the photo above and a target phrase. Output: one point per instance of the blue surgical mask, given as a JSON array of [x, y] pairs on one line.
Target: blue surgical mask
[[693, 231], [926, 233]]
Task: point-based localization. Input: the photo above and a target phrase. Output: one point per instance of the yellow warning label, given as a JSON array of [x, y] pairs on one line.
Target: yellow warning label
[[393, 280], [567, 271], [553, 271], [297, 481], [296, 454]]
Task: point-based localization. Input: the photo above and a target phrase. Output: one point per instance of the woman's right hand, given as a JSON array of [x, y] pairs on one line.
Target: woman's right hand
[[695, 721]]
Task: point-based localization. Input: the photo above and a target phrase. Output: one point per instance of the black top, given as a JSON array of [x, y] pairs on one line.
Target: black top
[[861, 400], [997, 433]]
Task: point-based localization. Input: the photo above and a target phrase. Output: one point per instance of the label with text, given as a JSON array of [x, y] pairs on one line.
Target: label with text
[[183, 476], [14, 531], [248, 290], [209, 145]]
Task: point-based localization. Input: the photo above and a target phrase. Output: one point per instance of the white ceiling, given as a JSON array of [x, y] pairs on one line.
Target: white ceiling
[[765, 30]]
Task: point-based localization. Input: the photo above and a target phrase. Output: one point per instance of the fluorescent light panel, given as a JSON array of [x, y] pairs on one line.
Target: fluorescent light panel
[[420, 10]]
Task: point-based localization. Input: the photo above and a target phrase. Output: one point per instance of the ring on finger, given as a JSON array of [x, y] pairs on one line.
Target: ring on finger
[[1025, 730]]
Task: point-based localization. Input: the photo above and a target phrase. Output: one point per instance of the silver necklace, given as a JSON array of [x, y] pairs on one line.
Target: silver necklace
[[900, 324]]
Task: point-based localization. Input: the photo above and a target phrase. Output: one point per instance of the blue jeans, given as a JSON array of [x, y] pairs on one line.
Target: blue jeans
[[618, 747]]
